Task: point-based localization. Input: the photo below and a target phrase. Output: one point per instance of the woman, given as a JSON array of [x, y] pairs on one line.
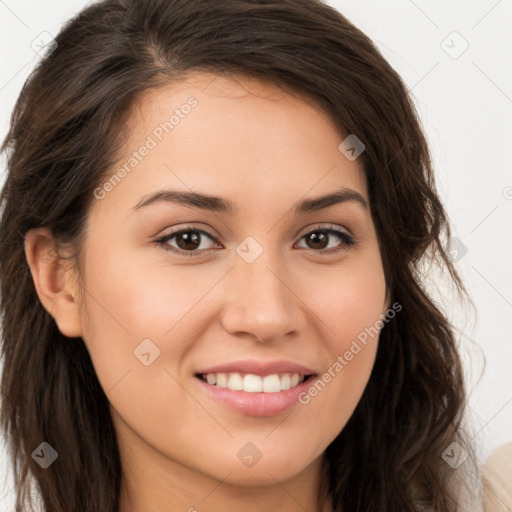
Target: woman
[[214, 226]]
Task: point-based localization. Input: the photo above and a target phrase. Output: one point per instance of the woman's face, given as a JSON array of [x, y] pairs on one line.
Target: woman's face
[[269, 291]]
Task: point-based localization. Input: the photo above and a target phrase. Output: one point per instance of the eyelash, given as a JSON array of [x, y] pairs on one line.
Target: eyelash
[[348, 241]]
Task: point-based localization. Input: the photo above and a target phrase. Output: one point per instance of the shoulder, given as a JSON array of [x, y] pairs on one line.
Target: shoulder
[[497, 480]]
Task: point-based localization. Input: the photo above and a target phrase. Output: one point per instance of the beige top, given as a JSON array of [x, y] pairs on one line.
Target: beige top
[[497, 480]]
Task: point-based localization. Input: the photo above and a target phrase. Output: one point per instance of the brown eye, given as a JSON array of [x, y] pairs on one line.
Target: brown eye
[[319, 239], [189, 241]]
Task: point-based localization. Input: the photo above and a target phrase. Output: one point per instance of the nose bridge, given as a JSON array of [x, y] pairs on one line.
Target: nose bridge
[[262, 303]]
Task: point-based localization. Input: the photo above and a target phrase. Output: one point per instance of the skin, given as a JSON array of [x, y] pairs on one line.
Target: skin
[[264, 150]]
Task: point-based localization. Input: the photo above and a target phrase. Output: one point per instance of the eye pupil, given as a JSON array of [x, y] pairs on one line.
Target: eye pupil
[[320, 239], [188, 237]]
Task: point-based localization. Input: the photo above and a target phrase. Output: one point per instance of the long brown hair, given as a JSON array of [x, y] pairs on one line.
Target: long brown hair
[[65, 130]]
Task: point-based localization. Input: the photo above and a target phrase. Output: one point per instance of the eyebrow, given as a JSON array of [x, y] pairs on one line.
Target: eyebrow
[[220, 205]]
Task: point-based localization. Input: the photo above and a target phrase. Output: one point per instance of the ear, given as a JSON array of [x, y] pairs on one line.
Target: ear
[[55, 285]]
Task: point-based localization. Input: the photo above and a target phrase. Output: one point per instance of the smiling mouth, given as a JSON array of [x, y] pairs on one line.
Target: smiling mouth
[[252, 383]]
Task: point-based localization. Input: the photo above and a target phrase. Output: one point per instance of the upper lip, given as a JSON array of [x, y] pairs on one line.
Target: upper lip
[[259, 367]]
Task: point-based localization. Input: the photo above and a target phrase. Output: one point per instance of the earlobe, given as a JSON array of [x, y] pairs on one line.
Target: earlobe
[[53, 281]]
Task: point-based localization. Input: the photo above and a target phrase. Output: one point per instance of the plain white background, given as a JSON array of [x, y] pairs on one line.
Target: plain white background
[[455, 58]]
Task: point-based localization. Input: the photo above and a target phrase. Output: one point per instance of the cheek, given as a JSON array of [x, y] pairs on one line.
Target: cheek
[[139, 298], [123, 307], [349, 300], [126, 307], [350, 304]]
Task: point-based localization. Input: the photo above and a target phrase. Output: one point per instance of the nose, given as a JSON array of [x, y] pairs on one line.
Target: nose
[[261, 301]]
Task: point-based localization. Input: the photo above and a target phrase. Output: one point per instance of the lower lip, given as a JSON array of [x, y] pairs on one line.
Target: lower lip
[[257, 404]]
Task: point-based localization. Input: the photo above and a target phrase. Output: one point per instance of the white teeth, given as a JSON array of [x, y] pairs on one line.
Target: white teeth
[[271, 383], [251, 383], [222, 380], [286, 381], [235, 382]]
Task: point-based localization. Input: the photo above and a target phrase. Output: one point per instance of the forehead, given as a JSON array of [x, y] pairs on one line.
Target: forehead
[[260, 101], [232, 137]]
